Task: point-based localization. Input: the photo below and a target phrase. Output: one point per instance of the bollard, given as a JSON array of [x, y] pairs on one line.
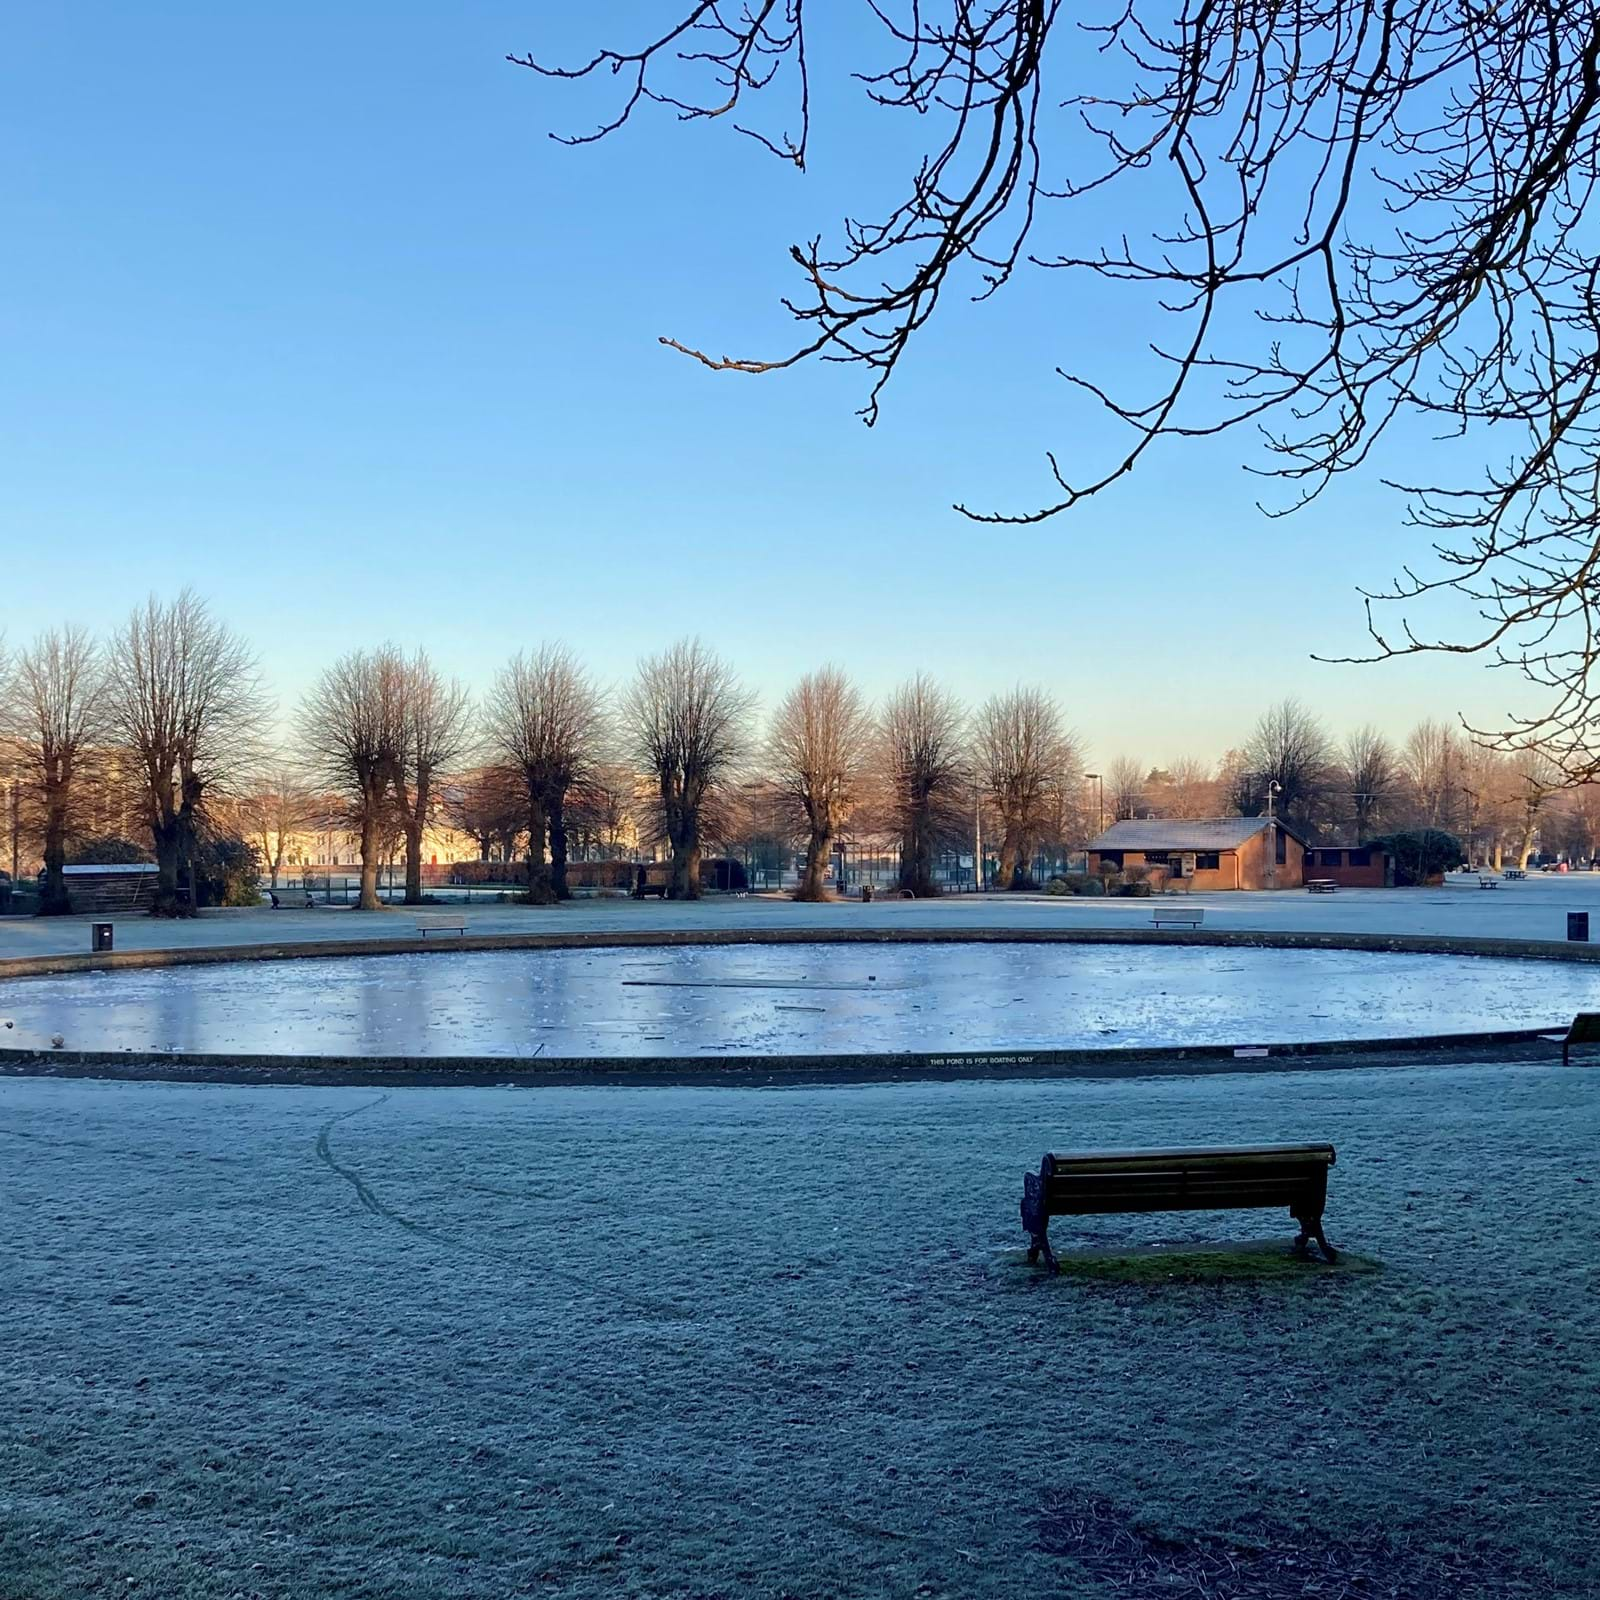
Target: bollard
[[1578, 927], [100, 937]]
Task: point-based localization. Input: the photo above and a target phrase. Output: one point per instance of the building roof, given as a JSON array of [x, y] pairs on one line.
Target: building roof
[[1185, 833]]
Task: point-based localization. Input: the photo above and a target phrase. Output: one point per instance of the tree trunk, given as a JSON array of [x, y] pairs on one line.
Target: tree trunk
[[370, 849], [539, 891], [814, 882], [556, 806], [413, 832], [916, 860], [681, 812], [684, 883], [53, 900], [1008, 860], [164, 836]]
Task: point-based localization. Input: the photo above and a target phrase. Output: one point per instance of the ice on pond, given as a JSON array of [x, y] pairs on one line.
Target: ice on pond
[[792, 1000]]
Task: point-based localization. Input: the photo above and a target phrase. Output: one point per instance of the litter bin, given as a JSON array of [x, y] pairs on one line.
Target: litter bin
[[99, 936], [866, 891], [1578, 926]]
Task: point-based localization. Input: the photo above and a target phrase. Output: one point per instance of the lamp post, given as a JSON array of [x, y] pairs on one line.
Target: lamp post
[[1100, 801], [1273, 790]]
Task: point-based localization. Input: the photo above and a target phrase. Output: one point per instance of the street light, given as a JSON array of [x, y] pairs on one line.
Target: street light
[[1100, 801], [1274, 789]]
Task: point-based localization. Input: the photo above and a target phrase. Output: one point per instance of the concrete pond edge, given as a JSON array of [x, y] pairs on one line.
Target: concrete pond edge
[[654, 938], [1511, 1046], [1505, 1047]]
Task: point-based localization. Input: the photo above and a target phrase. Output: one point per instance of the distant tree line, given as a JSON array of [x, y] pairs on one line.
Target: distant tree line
[[155, 743]]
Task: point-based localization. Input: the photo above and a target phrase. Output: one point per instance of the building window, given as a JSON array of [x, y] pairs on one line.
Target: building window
[[1360, 858], [1111, 858], [1283, 846], [1208, 861]]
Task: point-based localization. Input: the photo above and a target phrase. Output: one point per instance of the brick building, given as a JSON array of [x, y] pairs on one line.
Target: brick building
[[1205, 853]]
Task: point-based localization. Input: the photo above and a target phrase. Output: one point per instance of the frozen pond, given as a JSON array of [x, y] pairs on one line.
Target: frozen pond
[[791, 1000]]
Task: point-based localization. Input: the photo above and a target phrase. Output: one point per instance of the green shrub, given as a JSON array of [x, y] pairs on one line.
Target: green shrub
[[1420, 855], [1074, 883], [227, 872], [108, 851]]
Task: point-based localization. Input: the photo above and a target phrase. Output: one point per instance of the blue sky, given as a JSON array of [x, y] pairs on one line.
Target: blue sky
[[301, 306]]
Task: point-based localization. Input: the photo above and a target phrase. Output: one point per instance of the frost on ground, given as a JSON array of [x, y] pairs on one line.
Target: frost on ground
[[303, 1343]]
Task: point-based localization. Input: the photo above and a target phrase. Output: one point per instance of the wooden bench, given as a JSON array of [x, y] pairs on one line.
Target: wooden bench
[[1585, 1029], [1514, 873], [290, 900], [446, 924], [1178, 916], [1321, 885], [1104, 1182], [1488, 883]]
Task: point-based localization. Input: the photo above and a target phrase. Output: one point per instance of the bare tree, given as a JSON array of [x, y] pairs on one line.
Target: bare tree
[[1580, 822], [184, 697], [545, 718], [1191, 791], [687, 718], [1538, 776], [925, 760], [818, 751], [275, 808], [56, 717], [489, 804], [437, 728], [601, 810], [1125, 788], [353, 726], [1368, 772], [1355, 215], [1025, 758], [1432, 760], [1289, 747]]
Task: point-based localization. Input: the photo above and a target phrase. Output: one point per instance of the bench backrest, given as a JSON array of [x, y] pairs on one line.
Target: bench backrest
[[1585, 1028], [1104, 1181], [441, 922]]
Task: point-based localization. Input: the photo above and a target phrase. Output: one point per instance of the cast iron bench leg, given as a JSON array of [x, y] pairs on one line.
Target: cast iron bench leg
[[1311, 1228], [1034, 1221]]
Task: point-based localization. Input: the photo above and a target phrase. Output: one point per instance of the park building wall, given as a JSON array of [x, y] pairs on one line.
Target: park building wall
[[1244, 867]]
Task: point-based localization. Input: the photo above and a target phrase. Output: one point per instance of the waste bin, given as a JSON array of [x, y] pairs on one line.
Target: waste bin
[[1578, 926], [99, 936], [866, 891]]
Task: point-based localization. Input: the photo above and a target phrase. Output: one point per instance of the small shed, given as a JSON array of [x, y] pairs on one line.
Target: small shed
[[1206, 852], [101, 887], [1351, 866]]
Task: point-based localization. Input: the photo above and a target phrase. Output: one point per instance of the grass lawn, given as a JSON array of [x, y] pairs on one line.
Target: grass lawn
[[274, 1342]]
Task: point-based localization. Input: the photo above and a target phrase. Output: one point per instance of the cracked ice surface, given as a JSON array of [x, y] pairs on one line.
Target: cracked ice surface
[[795, 999]]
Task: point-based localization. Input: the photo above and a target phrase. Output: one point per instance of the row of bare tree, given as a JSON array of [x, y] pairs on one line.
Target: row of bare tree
[[170, 708], [381, 729], [170, 711], [1498, 802]]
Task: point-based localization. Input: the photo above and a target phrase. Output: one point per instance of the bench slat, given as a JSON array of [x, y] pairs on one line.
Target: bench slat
[[1089, 1159]]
